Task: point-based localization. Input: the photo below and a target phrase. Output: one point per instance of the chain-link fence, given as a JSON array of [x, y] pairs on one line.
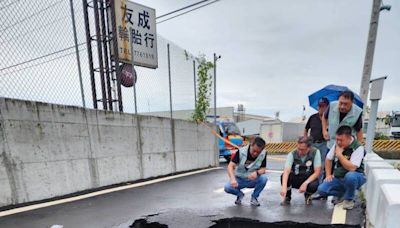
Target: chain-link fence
[[38, 62]]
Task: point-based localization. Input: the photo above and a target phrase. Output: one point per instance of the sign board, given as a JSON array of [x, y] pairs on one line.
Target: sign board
[[141, 20], [377, 88]]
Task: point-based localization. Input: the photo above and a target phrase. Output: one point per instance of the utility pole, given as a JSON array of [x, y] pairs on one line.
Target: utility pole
[[369, 55]]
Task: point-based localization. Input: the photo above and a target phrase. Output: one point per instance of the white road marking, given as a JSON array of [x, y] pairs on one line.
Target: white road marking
[[89, 195], [220, 190], [339, 214], [247, 190], [274, 171], [270, 185]]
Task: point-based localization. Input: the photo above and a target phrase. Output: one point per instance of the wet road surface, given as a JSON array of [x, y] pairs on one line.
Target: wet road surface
[[192, 201]]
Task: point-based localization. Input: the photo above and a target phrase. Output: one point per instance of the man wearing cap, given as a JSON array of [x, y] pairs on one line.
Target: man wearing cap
[[314, 127]]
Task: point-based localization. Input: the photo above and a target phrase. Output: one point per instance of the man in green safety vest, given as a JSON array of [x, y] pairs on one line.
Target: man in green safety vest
[[302, 170], [348, 173], [247, 170]]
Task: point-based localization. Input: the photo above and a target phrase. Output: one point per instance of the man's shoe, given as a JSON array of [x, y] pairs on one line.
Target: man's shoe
[[286, 202], [307, 198], [336, 200], [238, 200], [319, 197], [254, 202], [348, 204]]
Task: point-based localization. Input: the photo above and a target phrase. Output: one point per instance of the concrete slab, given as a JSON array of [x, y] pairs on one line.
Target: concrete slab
[[389, 206], [377, 178]]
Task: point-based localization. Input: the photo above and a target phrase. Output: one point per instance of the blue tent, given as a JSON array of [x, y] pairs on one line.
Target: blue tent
[[332, 92]]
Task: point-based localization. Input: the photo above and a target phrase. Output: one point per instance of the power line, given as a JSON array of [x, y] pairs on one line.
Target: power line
[[31, 66], [12, 3], [159, 22], [40, 57], [35, 29], [194, 4], [30, 16]]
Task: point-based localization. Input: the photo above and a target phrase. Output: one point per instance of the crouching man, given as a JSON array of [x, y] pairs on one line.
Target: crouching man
[[302, 170], [247, 170], [348, 173]]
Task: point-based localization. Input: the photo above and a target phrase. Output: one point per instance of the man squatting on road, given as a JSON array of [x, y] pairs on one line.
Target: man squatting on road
[[247, 170]]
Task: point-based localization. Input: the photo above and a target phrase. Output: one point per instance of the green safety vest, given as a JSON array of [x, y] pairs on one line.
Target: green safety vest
[[339, 170], [255, 165], [303, 168], [334, 116]]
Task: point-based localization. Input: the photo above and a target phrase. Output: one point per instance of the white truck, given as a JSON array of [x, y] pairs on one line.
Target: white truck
[[395, 125]]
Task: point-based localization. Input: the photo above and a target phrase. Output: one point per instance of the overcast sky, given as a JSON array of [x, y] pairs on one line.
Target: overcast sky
[[275, 53]]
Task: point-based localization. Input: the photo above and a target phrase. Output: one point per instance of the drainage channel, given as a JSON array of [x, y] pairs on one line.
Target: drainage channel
[[244, 223]]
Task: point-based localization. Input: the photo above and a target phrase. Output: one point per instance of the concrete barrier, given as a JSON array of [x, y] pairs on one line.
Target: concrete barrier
[[49, 150], [371, 165], [389, 206], [381, 192], [373, 157], [377, 178]]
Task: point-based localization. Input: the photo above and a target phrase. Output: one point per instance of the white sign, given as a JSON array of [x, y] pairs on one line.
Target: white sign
[[141, 20]]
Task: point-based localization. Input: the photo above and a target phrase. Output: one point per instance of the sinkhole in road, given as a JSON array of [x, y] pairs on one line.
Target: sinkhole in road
[[246, 223]]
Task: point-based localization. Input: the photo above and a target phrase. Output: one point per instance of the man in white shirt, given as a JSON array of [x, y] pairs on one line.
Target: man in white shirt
[[348, 173]]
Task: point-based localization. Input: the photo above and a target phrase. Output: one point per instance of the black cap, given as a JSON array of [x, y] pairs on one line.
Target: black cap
[[323, 100]]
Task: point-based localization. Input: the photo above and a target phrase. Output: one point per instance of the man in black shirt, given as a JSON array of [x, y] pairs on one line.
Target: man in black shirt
[[235, 159], [247, 170], [314, 126]]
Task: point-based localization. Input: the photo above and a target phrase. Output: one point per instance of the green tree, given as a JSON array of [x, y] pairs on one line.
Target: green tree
[[204, 84]]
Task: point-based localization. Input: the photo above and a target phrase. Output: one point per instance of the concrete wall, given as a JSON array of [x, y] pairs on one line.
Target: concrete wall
[[271, 131], [51, 150], [292, 131], [250, 127], [276, 131]]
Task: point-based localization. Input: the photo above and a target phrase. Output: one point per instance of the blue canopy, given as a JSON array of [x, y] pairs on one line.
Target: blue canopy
[[332, 92]]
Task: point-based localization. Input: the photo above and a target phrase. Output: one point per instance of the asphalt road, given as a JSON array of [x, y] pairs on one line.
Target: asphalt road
[[192, 201]]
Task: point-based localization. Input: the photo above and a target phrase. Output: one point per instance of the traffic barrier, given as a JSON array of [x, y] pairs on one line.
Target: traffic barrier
[[389, 206], [377, 178]]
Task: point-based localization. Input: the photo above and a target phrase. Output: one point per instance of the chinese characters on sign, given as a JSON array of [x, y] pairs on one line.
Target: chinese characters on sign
[[140, 20]]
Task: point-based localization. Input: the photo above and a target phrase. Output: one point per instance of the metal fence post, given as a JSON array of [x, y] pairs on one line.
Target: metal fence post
[[138, 127], [90, 55], [215, 89], [133, 70], [194, 83], [77, 52], [169, 79], [100, 53], [115, 56], [170, 107]]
